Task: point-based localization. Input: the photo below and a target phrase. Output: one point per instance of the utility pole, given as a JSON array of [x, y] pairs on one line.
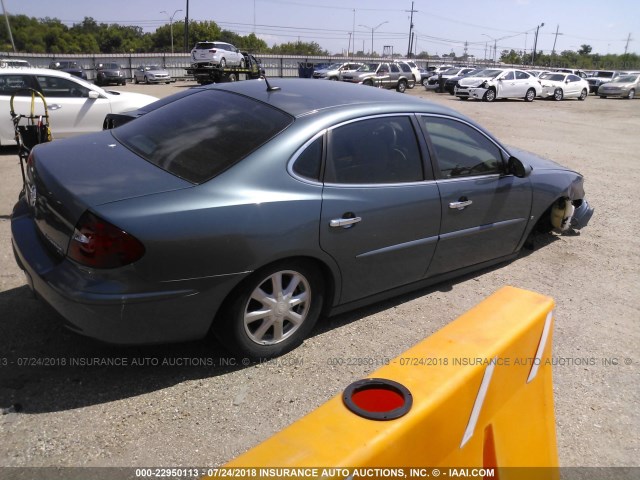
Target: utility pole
[[186, 30], [412, 11], [553, 50], [171, 24], [6, 17], [535, 45], [625, 47]]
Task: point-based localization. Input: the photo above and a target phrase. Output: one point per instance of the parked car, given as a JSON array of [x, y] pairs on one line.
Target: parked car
[[151, 74], [563, 85], [110, 73], [451, 83], [415, 70], [14, 63], [335, 70], [69, 66], [425, 73], [601, 77], [536, 73], [387, 75], [303, 199], [624, 86], [75, 105], [490, 84], [441, 78], [574, 71], [221, 54]]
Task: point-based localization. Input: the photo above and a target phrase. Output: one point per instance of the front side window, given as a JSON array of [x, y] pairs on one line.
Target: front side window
[[61, 87], [374, 151], [508, 76], [461, 150], [15, 84], [226, 129]]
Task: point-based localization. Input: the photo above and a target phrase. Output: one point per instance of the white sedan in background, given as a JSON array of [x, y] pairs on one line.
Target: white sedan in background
[[558, 85], [492, 83], [74, 105]]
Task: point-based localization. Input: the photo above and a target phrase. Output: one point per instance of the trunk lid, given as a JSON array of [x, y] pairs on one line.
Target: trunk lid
[[67, 177]]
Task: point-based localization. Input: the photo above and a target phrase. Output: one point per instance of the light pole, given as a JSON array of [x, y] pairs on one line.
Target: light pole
[[373, 29], [535, 45], [171, 24], [495, 41]]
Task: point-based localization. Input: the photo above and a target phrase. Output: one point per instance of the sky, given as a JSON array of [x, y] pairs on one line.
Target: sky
[[440, 26]]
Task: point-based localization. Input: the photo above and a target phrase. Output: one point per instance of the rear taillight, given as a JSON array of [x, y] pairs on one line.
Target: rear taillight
[[99, 244], [213, 50]]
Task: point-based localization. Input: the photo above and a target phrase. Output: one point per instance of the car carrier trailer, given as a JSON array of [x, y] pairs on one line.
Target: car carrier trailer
[[205, 72]]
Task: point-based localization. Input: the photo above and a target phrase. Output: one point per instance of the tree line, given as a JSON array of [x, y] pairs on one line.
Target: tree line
[[51, 36]]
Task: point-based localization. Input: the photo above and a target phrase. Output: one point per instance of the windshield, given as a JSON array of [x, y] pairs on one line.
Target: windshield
[[369, 67], [228, 127], [153, 67], [627, 79], [451, 71], [334, 66], [554, 77], [487, 73], [604, 74]]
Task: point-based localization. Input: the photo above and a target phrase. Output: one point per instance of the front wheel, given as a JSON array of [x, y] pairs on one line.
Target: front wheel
[[368, 83], [583, 94], [146, 80], [632, 94], [273, 311], [558, 94], [402, 86], [135, 80], [531, 94], [489, 95]]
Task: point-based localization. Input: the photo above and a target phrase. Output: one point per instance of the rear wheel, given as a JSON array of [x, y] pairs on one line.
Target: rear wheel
[[135, 80], [558, 94], [402, 86], [603, 96], [273, 311], [531, 94], [632, 94], [368, 83], [489, 95], [146, 80], [223, 63], [583, 94], [242, 63]]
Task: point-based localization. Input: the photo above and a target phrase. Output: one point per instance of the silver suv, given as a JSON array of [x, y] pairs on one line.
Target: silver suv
[[390, 75], [600, 77], [217, 53]]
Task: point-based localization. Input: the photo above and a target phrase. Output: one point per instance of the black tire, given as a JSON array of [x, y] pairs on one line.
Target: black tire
[[603, 96], [631, 94], [232, 77], [402, 86], [256, 321], [530, 95], [146, 80], [489, 95], [558, 94], [368, 83], [135, 80], [583, 94]]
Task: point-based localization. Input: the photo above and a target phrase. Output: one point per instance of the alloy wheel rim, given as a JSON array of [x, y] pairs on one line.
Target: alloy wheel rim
[[277, 307]]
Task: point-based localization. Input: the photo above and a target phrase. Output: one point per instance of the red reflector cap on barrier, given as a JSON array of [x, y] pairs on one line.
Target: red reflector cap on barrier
[[378, 399]]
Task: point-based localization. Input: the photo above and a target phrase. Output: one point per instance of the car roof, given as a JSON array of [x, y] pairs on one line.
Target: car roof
[[36, 71], [299, 97]]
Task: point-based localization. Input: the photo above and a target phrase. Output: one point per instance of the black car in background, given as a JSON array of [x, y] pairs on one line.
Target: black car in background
[[451, 82], [110, 73], [74, 68]]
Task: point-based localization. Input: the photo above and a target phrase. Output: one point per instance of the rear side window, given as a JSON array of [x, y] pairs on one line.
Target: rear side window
[[199, 136]]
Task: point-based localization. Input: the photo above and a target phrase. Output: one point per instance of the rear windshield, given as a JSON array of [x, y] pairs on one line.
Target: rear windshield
[[199, 136], [204, 45]]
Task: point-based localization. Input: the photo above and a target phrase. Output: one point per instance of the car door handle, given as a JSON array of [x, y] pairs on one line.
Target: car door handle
[[54, 106], [461, 205], [344, 222]]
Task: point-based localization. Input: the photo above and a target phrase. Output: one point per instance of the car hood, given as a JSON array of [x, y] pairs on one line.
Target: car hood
[[474, 81], [125, 101], [536, 162]]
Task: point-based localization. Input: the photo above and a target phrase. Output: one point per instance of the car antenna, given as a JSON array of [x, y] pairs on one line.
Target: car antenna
[[269, 87]]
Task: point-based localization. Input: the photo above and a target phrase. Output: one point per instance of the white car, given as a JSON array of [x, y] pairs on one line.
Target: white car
[[335, 70], [560, 85], [218, 53], [417, 76], [492, 83], [75, 106]]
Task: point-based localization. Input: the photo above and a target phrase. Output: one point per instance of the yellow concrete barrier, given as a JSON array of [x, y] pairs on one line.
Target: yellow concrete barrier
[[481, 396]]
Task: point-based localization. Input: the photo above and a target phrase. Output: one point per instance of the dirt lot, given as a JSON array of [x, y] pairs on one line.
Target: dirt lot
[[204, 416]]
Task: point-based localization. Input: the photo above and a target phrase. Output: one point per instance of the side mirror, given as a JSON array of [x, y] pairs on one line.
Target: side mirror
[[517, 168], [93, 94]]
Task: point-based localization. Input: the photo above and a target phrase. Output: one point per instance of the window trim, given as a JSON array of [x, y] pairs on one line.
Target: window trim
[[434, 157], [301, 150]]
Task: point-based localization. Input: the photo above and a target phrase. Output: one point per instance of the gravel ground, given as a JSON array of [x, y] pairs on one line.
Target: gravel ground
[[185, 415]]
